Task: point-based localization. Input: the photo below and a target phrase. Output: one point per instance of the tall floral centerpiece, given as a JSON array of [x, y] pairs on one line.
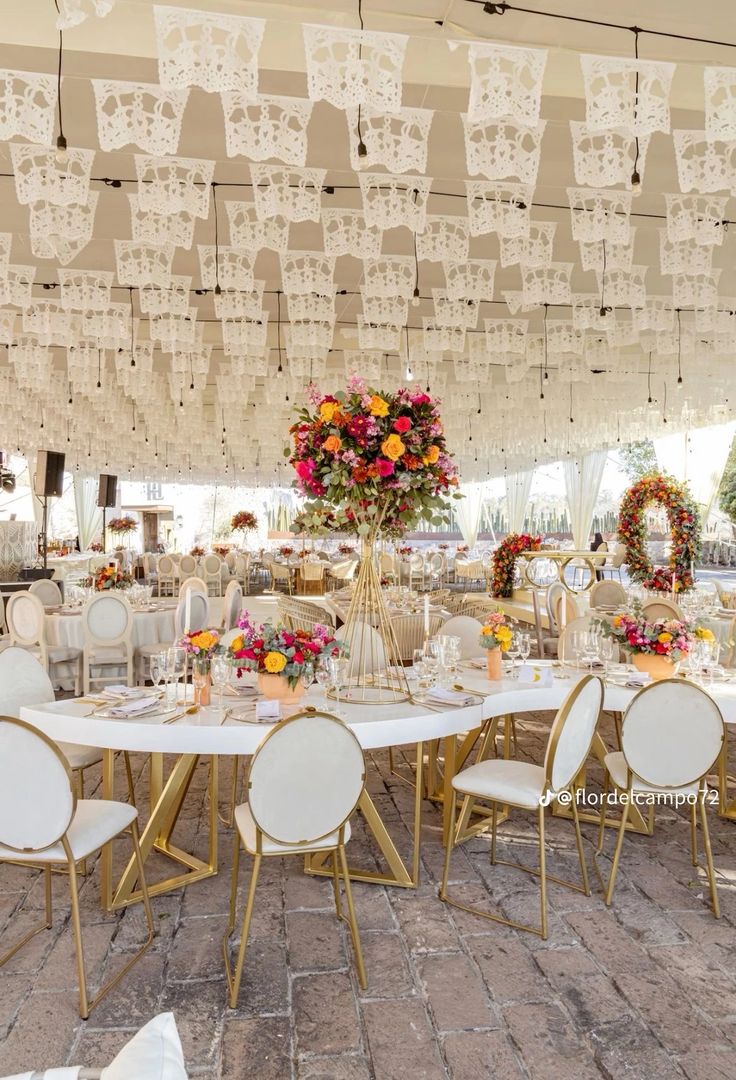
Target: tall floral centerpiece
[[504, 561], [123, 527], [244, 521], [378, 463], [684, 521], [281, 657]]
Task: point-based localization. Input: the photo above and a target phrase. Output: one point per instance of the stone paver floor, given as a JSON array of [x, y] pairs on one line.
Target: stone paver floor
[[644, 990]]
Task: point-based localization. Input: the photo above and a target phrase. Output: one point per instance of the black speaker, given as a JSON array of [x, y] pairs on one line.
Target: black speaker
[[107, 492], [49, 478]]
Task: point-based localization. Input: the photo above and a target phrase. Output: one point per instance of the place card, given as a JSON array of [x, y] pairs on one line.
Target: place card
[[534, 676], [268, 710]]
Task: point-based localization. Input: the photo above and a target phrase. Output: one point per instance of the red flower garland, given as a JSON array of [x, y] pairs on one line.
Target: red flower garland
[[504, 560], [684, 521]]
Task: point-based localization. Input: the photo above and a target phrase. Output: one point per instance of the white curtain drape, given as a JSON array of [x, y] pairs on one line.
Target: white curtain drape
[[36, 503], [583, 478], [468, 512], [518, 488], [697, 457], [89, 516]]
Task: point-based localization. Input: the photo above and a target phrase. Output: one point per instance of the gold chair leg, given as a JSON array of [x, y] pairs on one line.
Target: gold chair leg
[[362, 980], [129, 778], [693, 833], [450, 843], [336, 884], [77, 928], [604, 809], [230, 819], [234, 977], [494, 825], [46, 925], [542, 874], [233, 889], [579, 842], [617, 850], [709, 856]]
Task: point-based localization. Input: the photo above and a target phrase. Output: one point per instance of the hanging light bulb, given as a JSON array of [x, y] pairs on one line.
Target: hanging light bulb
[[62, 152], [409, 373], [415, 301]]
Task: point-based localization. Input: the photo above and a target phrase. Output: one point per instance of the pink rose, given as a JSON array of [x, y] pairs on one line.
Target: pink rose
[[402, 425], [385, 467]]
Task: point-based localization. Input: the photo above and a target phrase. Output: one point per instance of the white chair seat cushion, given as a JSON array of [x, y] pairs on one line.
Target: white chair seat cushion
[[94, 823], [62, 654], [618, 770], [517, 782], [79, 757], [247, 828], [154, 1053], [108, 654]]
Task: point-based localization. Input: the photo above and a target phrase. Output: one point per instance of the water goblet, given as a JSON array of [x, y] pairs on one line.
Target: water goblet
[[176, 664], [158, 669], [220, 672], [525, 646], [608, 653], [513, 653], [338, 666]]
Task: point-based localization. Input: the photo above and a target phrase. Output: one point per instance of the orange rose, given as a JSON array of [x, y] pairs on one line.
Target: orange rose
[[332, 444], [378, 407], [393, 447], [432, 456]]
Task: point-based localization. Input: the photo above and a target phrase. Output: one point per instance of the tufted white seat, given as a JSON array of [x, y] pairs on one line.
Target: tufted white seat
[[618, 770], [246, 826], [501, 781]]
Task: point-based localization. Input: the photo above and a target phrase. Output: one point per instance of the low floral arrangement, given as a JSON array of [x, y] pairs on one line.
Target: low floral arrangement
[[304, 554], [96, 545], [345, 549], [274, 650], [504, 561], [404, 549], [443, 547], [221, 549], [197, 552], [286, 551], [123, 525], [109, 577], [200, 643], [243, 521], [462, 549], [496, 632], [684, 521], [379, 460], [670, 638]]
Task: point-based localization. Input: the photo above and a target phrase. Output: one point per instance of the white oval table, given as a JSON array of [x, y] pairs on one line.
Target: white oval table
[[211, 733]]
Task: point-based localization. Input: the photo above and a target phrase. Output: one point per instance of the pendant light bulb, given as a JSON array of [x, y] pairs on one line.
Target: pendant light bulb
[[415, 297], [62, 152]]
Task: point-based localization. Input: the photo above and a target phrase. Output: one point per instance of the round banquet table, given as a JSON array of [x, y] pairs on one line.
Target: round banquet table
[[212, 733]]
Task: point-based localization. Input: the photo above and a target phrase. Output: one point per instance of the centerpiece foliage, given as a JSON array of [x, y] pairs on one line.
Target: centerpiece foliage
[[504, 560], [122, 525]]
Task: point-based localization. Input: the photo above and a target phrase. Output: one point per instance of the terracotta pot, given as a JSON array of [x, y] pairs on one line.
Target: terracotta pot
[[658, 667], [495, 667], [276, 688]]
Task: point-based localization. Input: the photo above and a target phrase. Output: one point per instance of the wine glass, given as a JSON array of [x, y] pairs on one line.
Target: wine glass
[[525, 646], [591, 646], [338, 666], [608, 653], [176, 665], [513, 652], [323, 677], [158, 669], [220, 672], [308, 675]]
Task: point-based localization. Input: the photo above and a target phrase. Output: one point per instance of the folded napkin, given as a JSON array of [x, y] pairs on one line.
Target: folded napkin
[[637, 679], [268, 710], [121, 691], [133, 708], [451, 697], [534, 676], [479, 662]]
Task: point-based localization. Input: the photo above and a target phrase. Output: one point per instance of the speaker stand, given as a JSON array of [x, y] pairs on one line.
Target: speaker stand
[[104, 537], [44, 537]]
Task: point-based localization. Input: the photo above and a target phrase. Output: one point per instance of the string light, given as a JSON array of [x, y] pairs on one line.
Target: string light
[[218, 290], [62, 155]]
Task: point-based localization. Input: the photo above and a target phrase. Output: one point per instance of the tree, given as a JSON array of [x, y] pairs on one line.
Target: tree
[[727, 490], [637, 459]]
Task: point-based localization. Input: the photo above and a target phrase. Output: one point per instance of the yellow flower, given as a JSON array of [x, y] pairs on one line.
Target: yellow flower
[[664, 638], [327, 410], [332, 444], [432, 456], [393, 447], [616, 620], [504, 635], [205, 640], [237, 644], [486, 630], [274, 662], [704, 634], [378, 407]]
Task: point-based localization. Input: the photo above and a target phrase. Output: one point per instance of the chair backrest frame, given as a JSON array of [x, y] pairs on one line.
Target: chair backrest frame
[[560, 771], [58, 772]]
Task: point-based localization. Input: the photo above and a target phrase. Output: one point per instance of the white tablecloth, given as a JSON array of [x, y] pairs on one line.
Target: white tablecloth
[[77, 565]]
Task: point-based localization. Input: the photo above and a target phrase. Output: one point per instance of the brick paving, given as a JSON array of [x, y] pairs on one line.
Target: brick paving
[[644, 990]]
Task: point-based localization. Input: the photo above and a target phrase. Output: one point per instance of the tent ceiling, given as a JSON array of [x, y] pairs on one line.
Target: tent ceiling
[[138, 429]]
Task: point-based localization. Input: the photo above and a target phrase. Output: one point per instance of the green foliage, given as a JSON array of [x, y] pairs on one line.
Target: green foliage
[[727, 490], [637, 459]]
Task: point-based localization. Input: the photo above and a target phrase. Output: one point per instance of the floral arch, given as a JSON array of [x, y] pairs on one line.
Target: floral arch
[[684, 522]]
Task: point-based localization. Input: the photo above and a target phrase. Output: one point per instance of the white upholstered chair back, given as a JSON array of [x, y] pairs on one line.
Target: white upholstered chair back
[[367, 652], [2, 613], [607, 594], [37, 800], [661, 609], [305, 779], [47, 591], [572, 732], [468, 630], [230, 560], [212, 565], [561, 607], [107, 620], [199, 611], [187, 566], [23, 681], [196, 583], [166, 574], [25, 615], [672, 733], [232, 604]]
